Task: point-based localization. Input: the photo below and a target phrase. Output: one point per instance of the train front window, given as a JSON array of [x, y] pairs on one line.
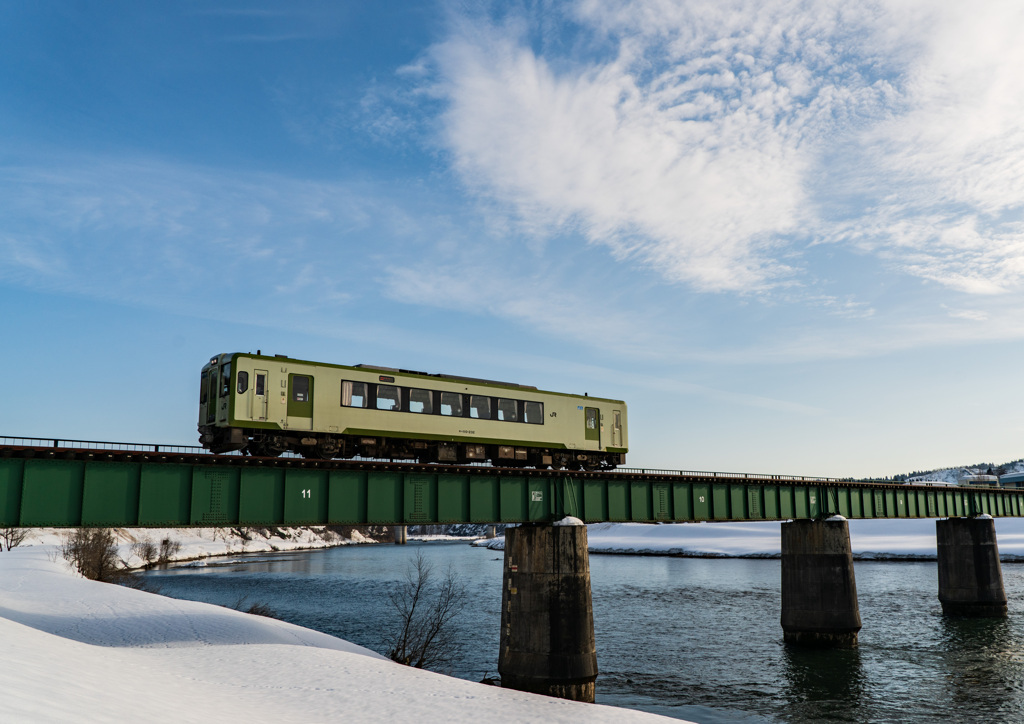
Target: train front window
[[225, 379], [421, 401], [480, 407], [388, 398], [204, 388], [451, 404], [243, 382], [353, 394], [533, 413], [507, 410]]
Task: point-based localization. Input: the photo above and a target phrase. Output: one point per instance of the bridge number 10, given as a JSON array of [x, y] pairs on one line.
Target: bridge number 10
[[307, 493]]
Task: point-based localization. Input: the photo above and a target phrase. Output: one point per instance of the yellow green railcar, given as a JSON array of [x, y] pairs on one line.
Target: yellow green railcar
[[267, 405]]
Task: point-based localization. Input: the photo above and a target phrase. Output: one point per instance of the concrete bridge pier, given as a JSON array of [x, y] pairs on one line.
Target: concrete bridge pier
[[401, 535], [819, 593], [970, 576], [547, 617]]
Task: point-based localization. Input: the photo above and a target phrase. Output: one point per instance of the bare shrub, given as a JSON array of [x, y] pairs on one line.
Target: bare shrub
[[426, 606], [256, 609], [145, 550], [169, 548], [12, 537], [93, 553]]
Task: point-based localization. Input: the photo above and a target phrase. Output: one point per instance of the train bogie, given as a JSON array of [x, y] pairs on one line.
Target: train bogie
[[269, 405]]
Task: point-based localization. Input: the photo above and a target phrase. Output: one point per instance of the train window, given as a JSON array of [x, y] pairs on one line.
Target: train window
[[388, 398], [507, 410], [353, 394], [300, 388], [533, 413], [225, 380], [243, 382], [451, 404], [421, 401], [204, 386], [261, 384], [480, 407]]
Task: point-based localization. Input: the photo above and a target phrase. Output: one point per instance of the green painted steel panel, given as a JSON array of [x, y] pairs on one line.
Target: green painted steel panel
[[902, 510], [720, 501], [738, 502], [572, 498], [661, 494], [640, 503], [771, 502], [890, 503], [541, 501], [701, 501], [261, 496], [682, 501], [800, 507], [868, 499], [305, 497], [214, 496], [755, 502], [933, 504], [595, 501], [453, 498], [52, 493], [383, 497], [618, 500], [814, 502], [11, 472], [922, 503], [911, 504], [878, 504], [420, 498], [856, 504], [110, 496], [942, 504], [347, 497], [165, 495], [843, 500], [513, 497], [484, 504], [787, 502]]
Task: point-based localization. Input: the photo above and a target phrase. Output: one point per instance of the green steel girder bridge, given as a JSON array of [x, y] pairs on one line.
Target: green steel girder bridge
[[71, 483]]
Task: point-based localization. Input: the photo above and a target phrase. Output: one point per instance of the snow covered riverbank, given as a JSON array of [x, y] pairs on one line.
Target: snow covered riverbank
[[870, 539], [80, 651]]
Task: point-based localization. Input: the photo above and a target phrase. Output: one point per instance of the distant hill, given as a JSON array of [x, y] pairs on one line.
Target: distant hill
[[951, 475]]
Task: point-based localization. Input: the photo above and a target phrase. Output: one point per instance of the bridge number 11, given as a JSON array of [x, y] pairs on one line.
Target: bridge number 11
[[307, 493]]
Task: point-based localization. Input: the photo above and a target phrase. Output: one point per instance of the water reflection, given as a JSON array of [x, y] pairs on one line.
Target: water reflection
[[982, 663], [828, 683]]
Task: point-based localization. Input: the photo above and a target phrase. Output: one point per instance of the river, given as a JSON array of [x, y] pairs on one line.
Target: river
[[690, 638]]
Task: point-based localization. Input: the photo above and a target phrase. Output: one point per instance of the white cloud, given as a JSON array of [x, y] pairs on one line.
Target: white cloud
[[713, 140]]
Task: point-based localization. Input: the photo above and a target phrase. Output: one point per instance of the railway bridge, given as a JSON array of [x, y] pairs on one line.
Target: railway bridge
[[547, 640]]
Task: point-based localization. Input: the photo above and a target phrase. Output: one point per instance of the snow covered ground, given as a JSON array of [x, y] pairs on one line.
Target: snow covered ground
[[870, 539], [74, 650]]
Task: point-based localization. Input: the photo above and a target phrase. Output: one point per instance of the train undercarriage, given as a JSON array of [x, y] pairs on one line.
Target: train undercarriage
[[262, 443]]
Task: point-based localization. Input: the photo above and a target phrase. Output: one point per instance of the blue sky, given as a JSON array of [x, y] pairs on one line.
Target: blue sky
[[788, 233]]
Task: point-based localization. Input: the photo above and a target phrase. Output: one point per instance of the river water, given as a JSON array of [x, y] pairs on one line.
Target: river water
[[695, 639]]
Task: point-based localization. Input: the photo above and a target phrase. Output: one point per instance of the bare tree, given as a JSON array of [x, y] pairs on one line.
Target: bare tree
[[12, 537], [426, 607]]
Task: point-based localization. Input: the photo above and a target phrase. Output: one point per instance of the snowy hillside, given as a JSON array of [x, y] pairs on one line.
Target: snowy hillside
[[80, 651]]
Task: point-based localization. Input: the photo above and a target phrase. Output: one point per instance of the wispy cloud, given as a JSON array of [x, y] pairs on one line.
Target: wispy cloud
[[714, 140]]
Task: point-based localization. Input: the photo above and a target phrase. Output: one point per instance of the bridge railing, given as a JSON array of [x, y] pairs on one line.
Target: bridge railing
[[67, 444], [741, 476]]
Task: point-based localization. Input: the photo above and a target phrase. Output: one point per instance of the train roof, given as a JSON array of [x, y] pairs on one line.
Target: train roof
[[412, 373]]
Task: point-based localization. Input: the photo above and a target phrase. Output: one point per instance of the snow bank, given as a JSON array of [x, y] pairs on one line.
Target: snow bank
[[81, 651], [200, 543], [870, 539]]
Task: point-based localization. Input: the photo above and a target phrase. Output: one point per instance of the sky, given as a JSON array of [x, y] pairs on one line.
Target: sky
[[787, 233]]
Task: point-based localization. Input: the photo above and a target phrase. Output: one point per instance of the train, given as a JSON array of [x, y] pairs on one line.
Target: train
[[267, 405]]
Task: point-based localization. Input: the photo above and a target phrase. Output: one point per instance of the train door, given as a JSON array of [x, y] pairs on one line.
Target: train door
[[592, 422], [616, 428], [259, 395], [300, 402]]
